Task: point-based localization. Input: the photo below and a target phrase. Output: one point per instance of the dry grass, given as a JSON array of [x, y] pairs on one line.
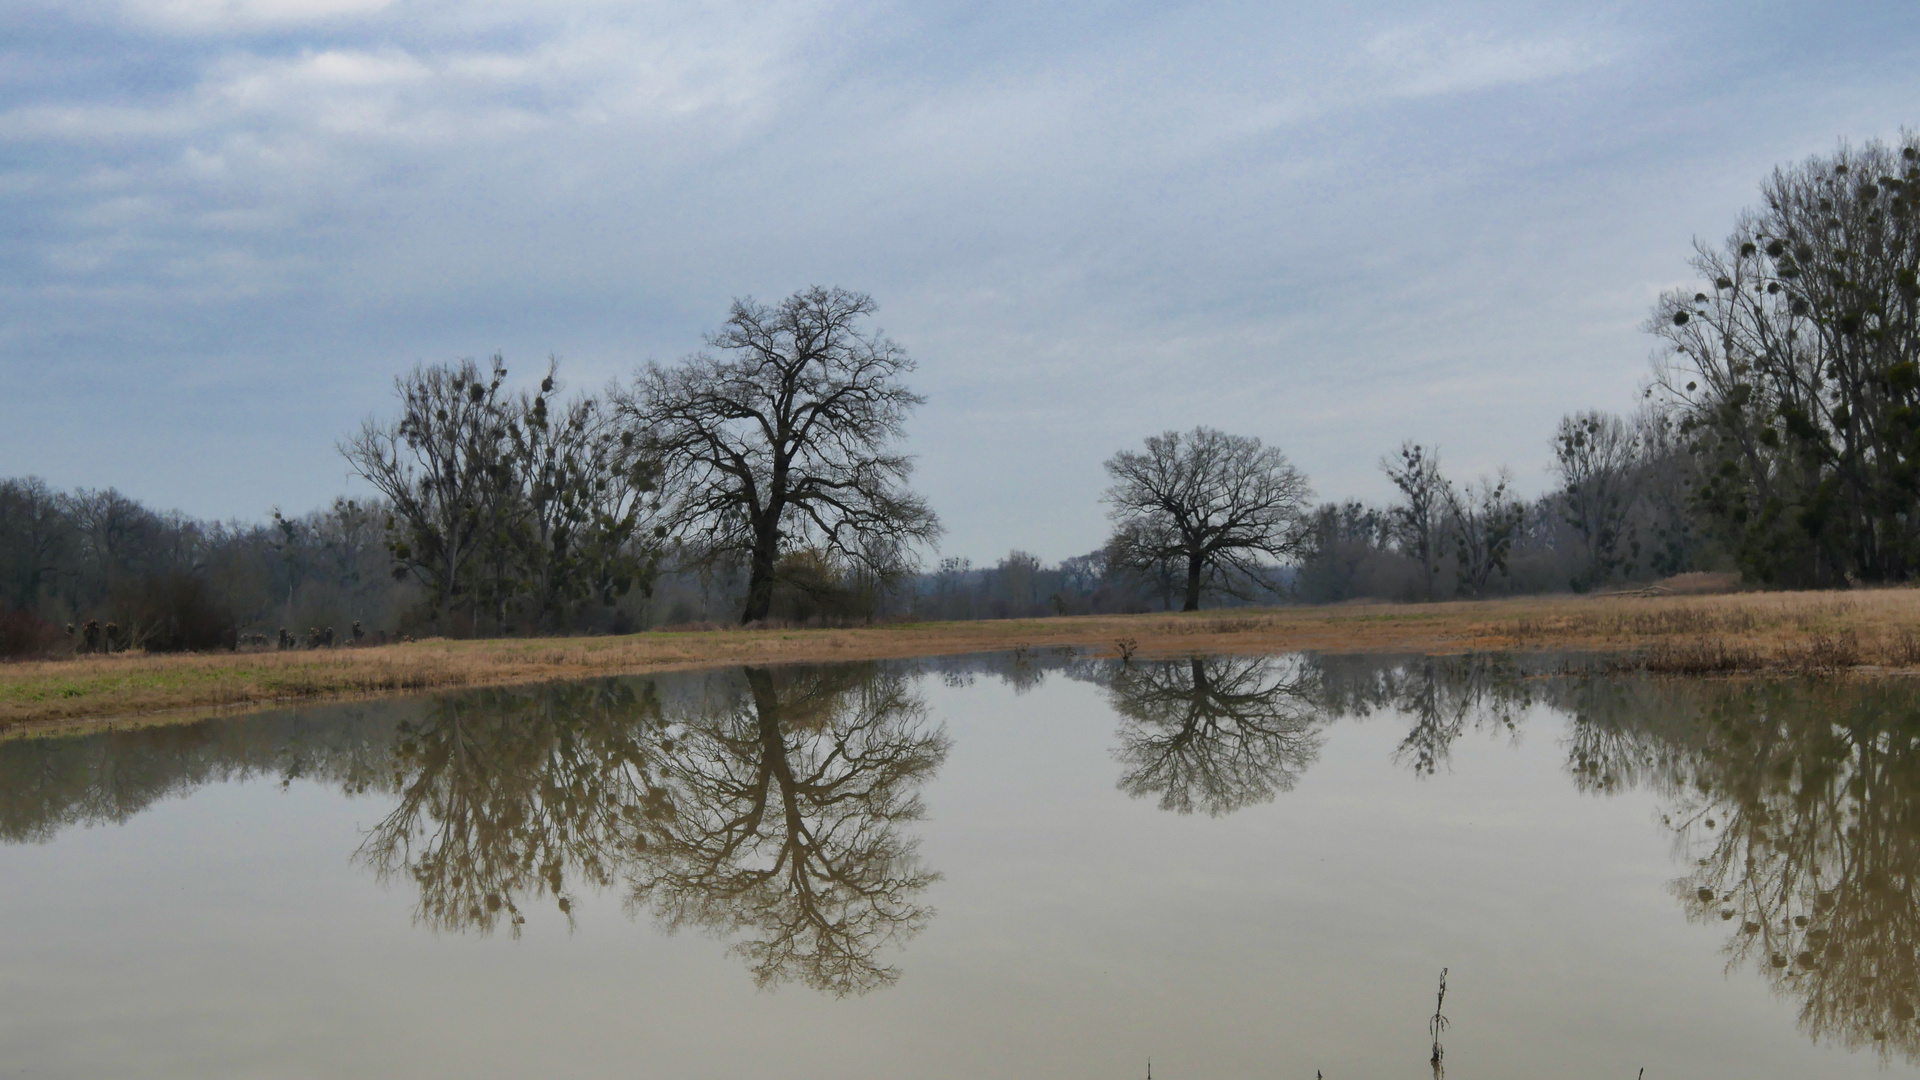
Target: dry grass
[[1807, 632]]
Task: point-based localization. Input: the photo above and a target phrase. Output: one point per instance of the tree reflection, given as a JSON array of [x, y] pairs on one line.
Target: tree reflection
[[772, 810], [775, 808], [53, 783], [1214, 733], [1446, 696], [785, 810], [1798, 805], [504, 793]]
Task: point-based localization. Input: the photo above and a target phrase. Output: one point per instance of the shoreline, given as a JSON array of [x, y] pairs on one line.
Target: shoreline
[[1824, 632]]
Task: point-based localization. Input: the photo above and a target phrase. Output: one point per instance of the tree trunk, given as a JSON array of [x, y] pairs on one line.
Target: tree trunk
[[1426, 562], [766, 547], [1193, 585]]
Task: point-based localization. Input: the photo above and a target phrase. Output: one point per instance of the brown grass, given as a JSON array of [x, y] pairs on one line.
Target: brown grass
[[1803, 632]]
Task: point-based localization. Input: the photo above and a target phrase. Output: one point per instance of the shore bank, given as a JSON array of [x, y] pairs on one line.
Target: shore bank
[[1818, 632]]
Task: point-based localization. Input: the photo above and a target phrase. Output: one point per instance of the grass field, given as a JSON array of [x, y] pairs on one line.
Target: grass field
[[1821, 632]]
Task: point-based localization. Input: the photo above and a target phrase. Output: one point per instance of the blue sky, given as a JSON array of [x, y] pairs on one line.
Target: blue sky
[[231, 222]]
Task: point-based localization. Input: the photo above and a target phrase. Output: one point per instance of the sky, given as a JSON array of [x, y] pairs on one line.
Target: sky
[[230, 223]]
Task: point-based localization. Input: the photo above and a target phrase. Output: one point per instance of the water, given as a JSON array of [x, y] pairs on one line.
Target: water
[[1011, 866]]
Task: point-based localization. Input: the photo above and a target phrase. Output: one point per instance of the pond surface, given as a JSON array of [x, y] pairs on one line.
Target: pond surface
[[1008, 866]]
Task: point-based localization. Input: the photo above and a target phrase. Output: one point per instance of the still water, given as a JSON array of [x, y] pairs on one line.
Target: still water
[[1008, 866]]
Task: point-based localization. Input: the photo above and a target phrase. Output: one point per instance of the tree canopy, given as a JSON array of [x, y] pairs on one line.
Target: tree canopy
[[1796, 365], [783, 438], [1211, 504]]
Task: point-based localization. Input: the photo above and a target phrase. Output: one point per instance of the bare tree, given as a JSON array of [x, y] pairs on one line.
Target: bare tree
[[1795, 365], [1424, 493], [589, 488], [1486, 519], [1596, 455], [785, 439], [1668, 479], [34, 533], [436, 466], [1213, 502], [1146, 552]]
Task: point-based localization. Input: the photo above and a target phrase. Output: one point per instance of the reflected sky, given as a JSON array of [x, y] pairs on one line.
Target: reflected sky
[[1010, 865]]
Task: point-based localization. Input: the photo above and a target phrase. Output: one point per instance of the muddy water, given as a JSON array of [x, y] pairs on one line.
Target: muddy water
[[1011, 866]]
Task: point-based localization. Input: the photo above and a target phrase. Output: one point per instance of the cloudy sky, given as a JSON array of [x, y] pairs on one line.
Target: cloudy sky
[[230, 222]]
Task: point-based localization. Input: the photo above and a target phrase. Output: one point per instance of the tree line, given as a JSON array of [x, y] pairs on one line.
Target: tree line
[[764, 478]]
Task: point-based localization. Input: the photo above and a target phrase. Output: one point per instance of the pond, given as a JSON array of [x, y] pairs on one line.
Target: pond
[[1024, 865]]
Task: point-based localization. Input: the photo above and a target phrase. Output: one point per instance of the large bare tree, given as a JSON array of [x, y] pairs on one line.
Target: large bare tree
[[1215, 504], [1794, 364], [786, 439]]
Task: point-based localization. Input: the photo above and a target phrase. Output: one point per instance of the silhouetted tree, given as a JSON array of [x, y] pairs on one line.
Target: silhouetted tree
[[1796, 367], [1485, 521], [1597, 455], [1215, 503], [1423, 502], [442, 467], [34, 534], [786, 439], [590, 489]]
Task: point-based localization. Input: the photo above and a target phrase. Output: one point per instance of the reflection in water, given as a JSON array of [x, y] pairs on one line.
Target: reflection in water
[[769, 807], [1798, 806], [782, 823], [50, 784], [1447, 696], [1217, 733], [1438, 1027], [1795, 803], [503, 793], [774, 806]]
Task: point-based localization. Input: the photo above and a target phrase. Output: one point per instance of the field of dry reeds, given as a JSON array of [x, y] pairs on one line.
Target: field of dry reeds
[[1684, 635]]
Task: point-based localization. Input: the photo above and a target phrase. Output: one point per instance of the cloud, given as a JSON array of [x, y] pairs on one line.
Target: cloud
[[1324, 226], [204, 15], [1426, 60]]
